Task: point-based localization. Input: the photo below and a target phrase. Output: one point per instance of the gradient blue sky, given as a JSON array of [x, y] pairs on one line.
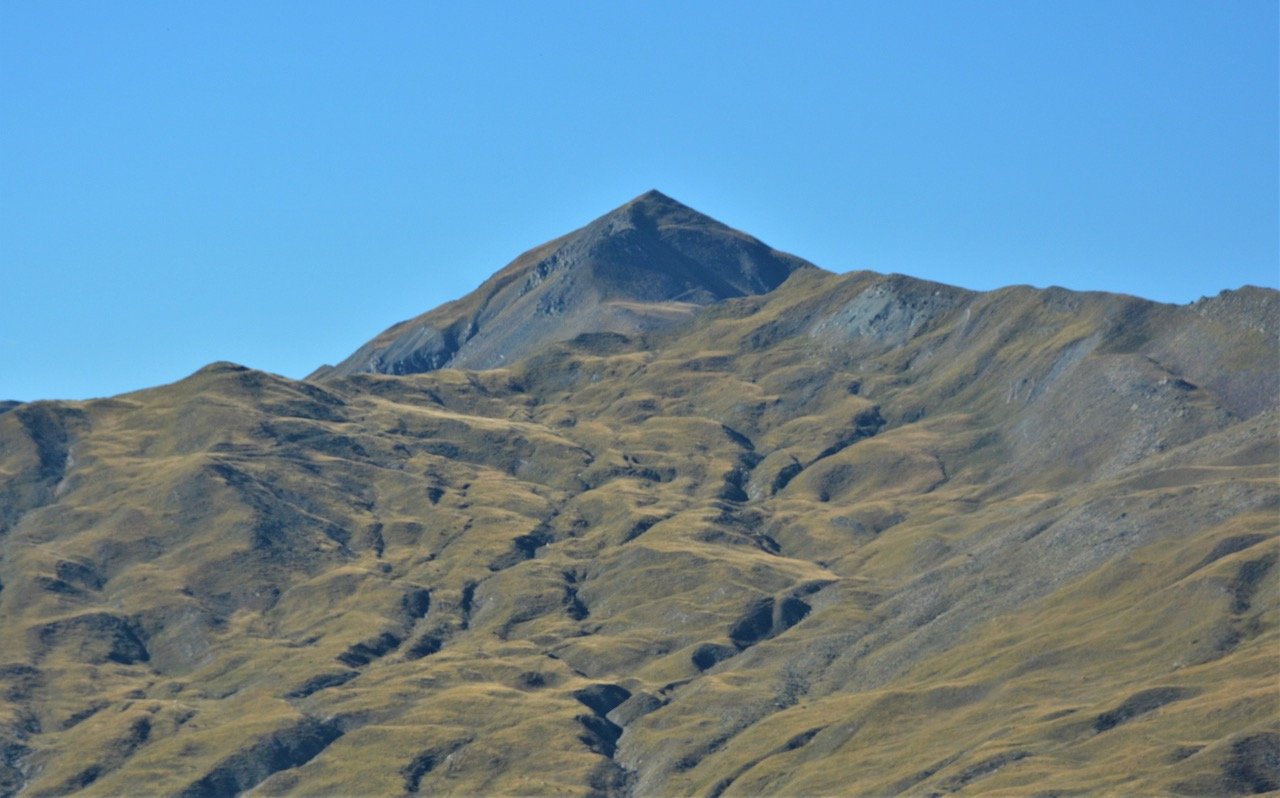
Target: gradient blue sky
[[274, 183]]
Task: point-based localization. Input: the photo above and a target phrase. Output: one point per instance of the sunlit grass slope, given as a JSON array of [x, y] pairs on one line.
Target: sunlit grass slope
[[862, 535]]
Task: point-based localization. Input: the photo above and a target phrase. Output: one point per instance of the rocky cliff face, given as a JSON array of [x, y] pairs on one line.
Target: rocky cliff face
[[860, 534], [639, 267]]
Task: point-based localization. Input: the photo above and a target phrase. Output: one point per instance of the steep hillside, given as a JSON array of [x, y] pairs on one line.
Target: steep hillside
[[861, 534], [644, 265]]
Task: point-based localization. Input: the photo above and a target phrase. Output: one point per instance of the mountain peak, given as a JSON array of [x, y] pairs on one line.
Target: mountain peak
[[649, 213], [654, 203], [653, 198], [643, 265], [653, 195]]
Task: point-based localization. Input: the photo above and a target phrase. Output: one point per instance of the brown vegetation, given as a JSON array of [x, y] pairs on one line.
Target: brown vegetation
[[861, 534]]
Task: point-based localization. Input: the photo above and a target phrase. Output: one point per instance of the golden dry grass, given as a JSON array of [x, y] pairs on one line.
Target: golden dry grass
[[1013, 553]]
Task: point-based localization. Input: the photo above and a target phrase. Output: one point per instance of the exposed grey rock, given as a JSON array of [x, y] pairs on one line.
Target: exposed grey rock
[[637, 268]]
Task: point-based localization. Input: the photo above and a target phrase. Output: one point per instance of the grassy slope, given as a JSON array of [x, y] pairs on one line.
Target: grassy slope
[[862, 535]]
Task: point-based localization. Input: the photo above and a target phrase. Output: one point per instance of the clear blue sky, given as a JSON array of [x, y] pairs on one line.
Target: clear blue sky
[[274, 183]]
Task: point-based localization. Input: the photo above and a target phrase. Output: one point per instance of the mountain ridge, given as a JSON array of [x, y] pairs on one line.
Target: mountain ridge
[[859, 534], [639, 266]]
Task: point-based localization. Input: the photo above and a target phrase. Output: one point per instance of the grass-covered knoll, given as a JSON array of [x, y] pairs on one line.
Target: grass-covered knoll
[[860, 535]]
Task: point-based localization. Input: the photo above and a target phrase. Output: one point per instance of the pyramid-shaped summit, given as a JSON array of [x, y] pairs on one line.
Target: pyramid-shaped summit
[[643, 265]]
